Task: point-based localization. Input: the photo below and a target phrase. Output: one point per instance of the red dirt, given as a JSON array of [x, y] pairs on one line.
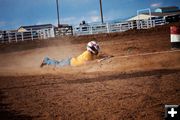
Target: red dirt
[[131, 85]]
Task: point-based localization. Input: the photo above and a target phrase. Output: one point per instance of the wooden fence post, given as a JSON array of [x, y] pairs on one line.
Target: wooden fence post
[[16, 36], [31, 34], [91, 31], [120, 27], [2, 39], [107, 26], [147, 23], [22, 36], [9, 38]]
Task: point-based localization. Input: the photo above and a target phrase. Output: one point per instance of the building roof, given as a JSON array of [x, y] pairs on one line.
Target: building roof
[[64, 25], [163, 14], [140, 17], [168, 8], [21, 29], [11, 31], [153, 14], [36, 27]]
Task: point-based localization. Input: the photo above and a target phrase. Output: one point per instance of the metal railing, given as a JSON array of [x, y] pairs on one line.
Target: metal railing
[[116, 27], [15, 36], [8, 36]]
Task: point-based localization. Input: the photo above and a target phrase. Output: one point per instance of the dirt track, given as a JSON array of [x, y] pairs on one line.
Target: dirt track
[[131, 85]]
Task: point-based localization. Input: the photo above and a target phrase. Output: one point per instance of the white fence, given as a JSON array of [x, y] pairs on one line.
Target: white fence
[[116, 27], [10, 36]]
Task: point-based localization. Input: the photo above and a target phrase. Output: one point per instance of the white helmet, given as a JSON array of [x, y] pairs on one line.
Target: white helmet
[[93, 47]]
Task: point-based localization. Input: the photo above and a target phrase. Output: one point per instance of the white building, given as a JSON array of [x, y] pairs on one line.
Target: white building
[[167, 9], [169, 14]]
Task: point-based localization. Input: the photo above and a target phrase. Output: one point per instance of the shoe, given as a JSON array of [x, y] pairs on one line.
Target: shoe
[[42, 64]]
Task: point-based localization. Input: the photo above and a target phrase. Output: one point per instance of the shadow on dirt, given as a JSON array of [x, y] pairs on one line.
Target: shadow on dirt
[[100, 78], [158, 73], [6, 114]]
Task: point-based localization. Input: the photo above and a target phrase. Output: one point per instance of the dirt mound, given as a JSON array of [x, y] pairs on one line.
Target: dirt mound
[[28, 55]]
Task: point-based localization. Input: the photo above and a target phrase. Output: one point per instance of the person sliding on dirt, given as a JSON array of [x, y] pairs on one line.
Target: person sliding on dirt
[[89, 55]]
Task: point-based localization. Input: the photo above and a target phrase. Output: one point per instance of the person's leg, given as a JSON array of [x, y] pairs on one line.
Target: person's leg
[[47, 61], [56, 63], [63, 62]]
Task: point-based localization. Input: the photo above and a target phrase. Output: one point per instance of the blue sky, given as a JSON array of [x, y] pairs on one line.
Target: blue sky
[[14, 13]]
